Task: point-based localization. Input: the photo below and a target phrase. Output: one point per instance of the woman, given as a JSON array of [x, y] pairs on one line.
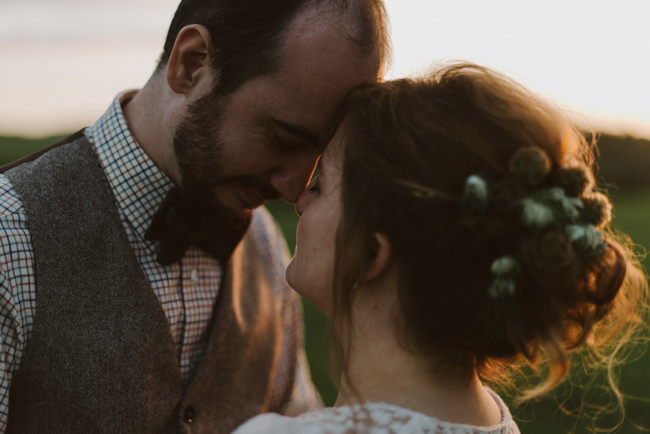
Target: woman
[[453, 232]]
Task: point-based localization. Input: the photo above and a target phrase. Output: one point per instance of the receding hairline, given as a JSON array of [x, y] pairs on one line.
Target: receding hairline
[[344, 15]]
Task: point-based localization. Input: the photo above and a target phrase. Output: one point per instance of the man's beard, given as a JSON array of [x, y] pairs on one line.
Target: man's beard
[[198, 146]]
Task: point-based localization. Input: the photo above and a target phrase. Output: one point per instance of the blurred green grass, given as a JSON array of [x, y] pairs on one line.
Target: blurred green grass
[[14, 148], [632, 216]]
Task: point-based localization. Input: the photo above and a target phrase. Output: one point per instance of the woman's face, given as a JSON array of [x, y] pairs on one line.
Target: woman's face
[[311, 270]]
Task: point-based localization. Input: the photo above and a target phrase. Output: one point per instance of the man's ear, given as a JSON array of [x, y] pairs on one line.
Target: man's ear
[[189, 61], [381, 259]]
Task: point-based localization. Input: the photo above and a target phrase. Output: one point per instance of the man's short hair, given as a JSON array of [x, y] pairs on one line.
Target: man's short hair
[[247, 34]]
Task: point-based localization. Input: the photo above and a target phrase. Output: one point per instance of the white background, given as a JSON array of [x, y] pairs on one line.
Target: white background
[[62, 61]]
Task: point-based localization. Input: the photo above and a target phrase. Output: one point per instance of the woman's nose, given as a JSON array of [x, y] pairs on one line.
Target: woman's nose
[[303, 201]]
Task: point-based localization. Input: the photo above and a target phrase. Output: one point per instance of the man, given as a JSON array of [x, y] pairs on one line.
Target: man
[[140, 292]]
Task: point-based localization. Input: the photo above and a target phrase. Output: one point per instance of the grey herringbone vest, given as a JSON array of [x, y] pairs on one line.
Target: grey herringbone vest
[[101, 358]]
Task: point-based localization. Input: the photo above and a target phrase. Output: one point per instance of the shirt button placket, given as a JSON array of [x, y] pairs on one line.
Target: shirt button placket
[[194, 276]]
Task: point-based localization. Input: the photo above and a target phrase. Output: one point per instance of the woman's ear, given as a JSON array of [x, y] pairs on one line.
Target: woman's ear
[[380, 262], [189, 61]]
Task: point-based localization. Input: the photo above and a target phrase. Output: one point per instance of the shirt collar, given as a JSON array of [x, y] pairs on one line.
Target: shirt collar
[[138, 184]]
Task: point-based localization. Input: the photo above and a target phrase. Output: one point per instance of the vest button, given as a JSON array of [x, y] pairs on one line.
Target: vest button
[[189, 414]]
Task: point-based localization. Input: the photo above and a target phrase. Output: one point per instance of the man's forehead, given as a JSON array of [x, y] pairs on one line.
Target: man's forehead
[[321, 33], [315, 15]]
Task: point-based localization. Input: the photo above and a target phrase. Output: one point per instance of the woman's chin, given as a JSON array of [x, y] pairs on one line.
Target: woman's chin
[[308, 289], [289, 274], [294, 280]]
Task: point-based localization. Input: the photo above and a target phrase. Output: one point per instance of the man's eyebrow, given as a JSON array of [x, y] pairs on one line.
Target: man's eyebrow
[[299, 131]]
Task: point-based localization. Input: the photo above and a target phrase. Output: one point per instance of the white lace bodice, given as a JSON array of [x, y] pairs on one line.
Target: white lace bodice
[[371, 418]]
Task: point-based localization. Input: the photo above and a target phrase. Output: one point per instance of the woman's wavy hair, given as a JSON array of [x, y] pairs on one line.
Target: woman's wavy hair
[[434, 132]]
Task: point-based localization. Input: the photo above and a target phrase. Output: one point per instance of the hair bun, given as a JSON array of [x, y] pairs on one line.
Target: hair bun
[[596, 210], [574, 180], [551, 260], [506, 195]]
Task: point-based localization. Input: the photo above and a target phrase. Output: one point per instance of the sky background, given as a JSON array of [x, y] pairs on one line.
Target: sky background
[[63, 61]]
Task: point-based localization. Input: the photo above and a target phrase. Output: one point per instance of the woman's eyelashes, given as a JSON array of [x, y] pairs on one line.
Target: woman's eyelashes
[[313, 186]]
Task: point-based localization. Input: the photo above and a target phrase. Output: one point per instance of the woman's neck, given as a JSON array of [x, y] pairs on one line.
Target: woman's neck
[[378, 368]]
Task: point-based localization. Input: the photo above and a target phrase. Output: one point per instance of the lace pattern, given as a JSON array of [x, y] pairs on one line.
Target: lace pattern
[[372, 418], [381, 418]]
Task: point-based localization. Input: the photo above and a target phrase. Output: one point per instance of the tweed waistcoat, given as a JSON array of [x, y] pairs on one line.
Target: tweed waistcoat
[[101, 358]]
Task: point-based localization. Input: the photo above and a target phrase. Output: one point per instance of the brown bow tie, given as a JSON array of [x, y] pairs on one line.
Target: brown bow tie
[[178, 225]]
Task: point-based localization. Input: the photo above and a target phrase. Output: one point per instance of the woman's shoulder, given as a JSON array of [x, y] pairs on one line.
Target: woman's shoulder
[[371, 418]]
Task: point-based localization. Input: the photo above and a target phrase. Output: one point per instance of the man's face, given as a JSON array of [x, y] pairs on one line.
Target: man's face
[[263, 142]]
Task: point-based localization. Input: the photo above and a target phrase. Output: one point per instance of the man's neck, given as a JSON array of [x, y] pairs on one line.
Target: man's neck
[[152, 125]]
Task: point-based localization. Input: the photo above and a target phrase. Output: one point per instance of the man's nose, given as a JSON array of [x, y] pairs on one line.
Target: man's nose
[[291, 178]]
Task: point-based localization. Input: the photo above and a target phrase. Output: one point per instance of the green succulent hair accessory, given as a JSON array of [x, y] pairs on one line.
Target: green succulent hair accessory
[[549, 207], [505, 271], [575, 180], [596, 210], [531, 165], [555, 204], [588, 241], [560, 201], [475, 196]]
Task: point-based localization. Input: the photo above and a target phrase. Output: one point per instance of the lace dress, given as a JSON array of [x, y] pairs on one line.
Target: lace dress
[[371, 418]]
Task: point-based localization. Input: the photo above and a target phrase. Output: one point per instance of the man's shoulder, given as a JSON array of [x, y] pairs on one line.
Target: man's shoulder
[[15, 239], [268, 236], [10, 204], [264, 228], [271, 247]]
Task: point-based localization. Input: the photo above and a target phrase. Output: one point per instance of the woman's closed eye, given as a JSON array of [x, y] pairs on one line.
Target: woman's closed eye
[[313, 186]]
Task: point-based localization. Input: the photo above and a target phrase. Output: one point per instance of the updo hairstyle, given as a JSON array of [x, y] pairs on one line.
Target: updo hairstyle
[[409, 147]]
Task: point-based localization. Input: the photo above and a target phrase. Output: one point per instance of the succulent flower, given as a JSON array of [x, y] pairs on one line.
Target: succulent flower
[[597, 210], [587, 240], [536, 215], [574, 180], [549, 207], [504, 270], [530, 165], [475, 198], [506, 195], [553, 252]]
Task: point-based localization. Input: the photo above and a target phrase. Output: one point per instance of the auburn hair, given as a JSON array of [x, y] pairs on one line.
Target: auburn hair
[[435, 131]]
